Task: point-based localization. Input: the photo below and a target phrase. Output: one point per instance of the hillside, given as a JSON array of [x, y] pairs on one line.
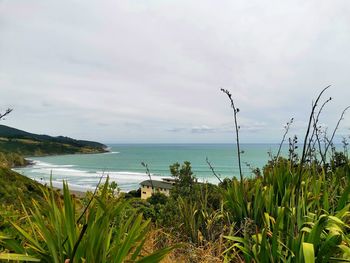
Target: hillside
[[29, 144], [16, 188]]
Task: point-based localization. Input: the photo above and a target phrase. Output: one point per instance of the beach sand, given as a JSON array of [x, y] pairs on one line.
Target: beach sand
[[78, 194]]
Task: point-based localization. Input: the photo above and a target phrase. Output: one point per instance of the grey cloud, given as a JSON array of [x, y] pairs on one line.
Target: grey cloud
[[46, 104], [203, 129], [175, 129], [160, 64], [247, 127]]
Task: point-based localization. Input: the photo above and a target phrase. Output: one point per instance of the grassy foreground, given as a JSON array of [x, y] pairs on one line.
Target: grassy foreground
[[281, 215], [104, 228]]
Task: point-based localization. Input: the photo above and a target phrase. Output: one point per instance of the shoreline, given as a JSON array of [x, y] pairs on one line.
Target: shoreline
[[30, 162], [62, 154], [77, 194]]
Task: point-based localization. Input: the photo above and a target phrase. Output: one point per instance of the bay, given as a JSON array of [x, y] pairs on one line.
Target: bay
[[123, 163]]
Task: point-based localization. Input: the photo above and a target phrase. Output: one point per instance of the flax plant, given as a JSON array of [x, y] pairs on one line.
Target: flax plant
[[285, 224], [297, 211], [107, 232]]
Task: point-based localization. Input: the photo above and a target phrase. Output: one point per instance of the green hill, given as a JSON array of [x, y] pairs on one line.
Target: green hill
[[29, 144], [16, 188]]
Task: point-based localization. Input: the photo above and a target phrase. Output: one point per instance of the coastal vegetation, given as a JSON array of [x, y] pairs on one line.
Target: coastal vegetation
[[12, 160], [296, 209], [16, 189], [28, 144]]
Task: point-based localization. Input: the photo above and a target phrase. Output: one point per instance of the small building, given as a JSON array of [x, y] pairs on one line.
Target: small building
[[149, 187]]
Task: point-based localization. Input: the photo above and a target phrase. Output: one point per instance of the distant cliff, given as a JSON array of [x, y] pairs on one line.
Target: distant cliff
[[29, 144]]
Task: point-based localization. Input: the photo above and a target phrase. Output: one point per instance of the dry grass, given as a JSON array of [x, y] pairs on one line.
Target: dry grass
[[186, 252], [27, 141]]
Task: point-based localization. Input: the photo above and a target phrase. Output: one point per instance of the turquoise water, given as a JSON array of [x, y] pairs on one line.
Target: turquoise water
[[123, 163]]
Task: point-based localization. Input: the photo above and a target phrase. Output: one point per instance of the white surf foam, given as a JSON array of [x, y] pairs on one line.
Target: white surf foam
[[111, 152], [82, 180]]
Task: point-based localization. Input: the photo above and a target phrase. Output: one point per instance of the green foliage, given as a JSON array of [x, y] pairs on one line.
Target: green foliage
[[185, 180], [158, 198], [286, 217], [15, 189], [193, 212], [12, 160], [154, 207], [133, 193], [107, 231]]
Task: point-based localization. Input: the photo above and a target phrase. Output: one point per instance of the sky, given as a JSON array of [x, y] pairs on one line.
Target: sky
[[151, 71]]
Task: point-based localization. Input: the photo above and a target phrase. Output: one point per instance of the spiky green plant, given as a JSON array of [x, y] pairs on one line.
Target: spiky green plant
[[290, 224], [106, 232]]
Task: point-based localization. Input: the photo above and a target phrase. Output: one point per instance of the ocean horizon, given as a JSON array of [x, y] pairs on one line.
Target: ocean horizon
[[123, 163]]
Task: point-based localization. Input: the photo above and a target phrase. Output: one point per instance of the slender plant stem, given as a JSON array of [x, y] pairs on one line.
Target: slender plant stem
[[78, 242], [335, 129], [149, 175], [235, 111], [212, 170], [315, 131], [308, 130], [284, 137]]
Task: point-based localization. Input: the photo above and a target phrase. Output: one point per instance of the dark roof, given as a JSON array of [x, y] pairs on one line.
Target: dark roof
[[157, 184], [167, 179]]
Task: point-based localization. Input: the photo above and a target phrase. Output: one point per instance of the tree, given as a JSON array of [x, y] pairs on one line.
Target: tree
[[185, 180]]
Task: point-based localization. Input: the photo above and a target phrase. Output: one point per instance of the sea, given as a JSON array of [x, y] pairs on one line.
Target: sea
[[123, 164]]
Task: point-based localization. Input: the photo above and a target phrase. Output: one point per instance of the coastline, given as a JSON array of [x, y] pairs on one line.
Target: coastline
[[63, 154], [30, 162], [122, 164], [77, 194]]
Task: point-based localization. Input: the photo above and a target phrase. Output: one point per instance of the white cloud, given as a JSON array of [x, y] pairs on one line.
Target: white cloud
[[129, 70]]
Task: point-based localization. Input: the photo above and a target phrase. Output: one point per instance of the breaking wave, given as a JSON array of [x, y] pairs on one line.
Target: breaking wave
[[82, 180]]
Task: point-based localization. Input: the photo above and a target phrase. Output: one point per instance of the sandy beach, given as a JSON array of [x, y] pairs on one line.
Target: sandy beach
[[78, 194]]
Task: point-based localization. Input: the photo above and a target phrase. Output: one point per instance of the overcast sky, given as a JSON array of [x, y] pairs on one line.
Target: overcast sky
[[151, 71]]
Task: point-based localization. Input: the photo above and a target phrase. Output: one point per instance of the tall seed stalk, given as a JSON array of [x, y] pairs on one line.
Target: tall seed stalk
[[145, 165], [235, 111], [335, 129], [306, 145], [286, 129]]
